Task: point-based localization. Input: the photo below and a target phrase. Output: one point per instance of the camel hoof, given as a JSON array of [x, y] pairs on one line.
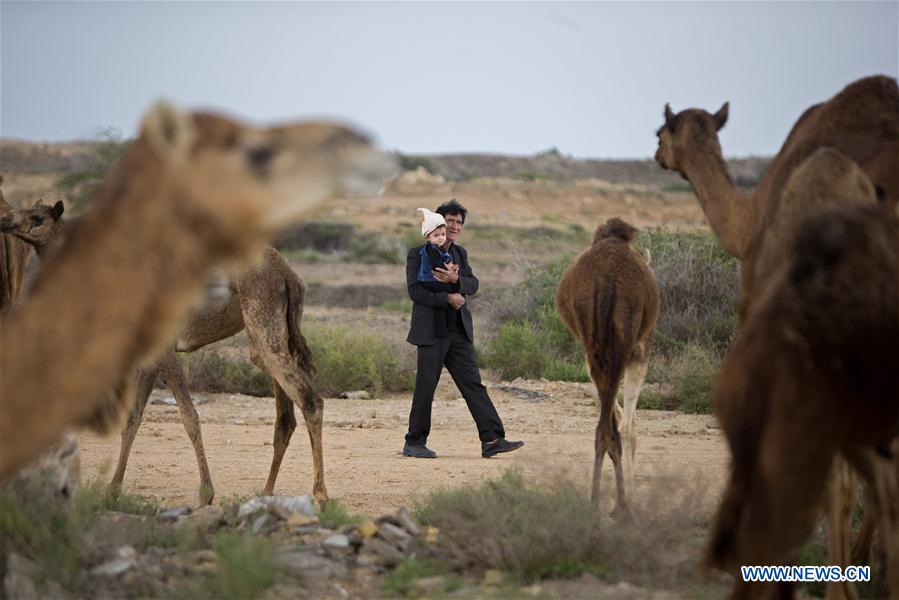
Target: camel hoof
[[622, 513], [207, 494], [321, 496]]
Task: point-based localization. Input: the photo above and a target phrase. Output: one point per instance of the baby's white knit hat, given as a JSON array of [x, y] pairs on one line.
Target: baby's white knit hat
[[430, 221]]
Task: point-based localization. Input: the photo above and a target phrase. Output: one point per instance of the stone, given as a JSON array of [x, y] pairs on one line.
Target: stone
[[302, 504], [431, 534], [19, 579], [307, 564], [113, 568], [368, 529], [337, 545], [300, 520], [387, 555], [172, 514], [356, 395], [408, 521], [395, 535], [204, 519]]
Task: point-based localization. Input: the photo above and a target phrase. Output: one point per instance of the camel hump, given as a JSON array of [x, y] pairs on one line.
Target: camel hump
[[615, 228], [828, 176]]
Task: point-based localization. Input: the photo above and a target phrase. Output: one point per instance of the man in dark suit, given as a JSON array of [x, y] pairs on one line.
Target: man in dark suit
[[451, 346]]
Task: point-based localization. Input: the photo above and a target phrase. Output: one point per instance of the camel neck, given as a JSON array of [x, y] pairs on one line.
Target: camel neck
[[725, 207]]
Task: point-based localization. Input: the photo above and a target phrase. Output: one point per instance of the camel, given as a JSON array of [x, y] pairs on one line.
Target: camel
[[192, 192], [861, 121], [14, 255], [813, 375], [267, 299], [609, 299]]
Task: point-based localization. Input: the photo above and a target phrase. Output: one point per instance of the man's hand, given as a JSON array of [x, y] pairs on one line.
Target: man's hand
[[448, 275], [457, 301]]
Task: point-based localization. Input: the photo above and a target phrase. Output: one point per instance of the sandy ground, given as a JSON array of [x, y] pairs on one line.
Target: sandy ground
[[363, 440]]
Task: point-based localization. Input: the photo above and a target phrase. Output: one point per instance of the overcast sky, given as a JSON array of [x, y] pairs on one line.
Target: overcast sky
[[590, 78]]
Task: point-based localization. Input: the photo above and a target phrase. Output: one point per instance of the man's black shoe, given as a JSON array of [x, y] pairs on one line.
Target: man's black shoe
[[418, 451], [493, 448]]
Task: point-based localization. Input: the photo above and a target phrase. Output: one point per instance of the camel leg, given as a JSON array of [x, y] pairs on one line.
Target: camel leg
[[285, 424], [173, 375], [633, 383], [313, 408], [840, 500], [608, 439], [145, 381]]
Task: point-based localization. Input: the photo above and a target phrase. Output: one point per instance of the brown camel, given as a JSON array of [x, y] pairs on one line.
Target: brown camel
[[14, 255], [814, 374], [193, 191], [753, 409], [862, 122], [267, 300], [609, 299]]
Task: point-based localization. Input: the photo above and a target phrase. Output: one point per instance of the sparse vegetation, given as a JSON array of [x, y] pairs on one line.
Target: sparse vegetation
[[549, 529], [335, 515], [80, 185], [356, 360], [401, 580], [410, 163], [208, 371]]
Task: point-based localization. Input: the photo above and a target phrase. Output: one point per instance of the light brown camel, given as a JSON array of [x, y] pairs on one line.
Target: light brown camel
[[192, 191], [862, 122], [267, 300], [14, 255], [814, 374], [609, 299]]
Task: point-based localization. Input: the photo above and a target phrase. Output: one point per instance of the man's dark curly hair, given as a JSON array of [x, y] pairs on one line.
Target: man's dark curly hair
[[452, 208]]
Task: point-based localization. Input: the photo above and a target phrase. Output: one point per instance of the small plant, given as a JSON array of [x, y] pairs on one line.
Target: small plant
[[401, 580], [81, 185], [411, 163], [334, 514], [248, 566]]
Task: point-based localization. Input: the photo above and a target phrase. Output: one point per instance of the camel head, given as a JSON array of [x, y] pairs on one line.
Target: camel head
[[258, 180], [688, 131], [37, 225], [615, 228]]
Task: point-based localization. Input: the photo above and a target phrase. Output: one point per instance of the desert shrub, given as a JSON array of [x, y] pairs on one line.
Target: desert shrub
[[335, 515], [354, 359], [248, 566], [548, 529], [699, 286], [401, 580], [208, 371], [403, 305], [80, 185], [335, 241], [43, 530], [411, 163], [692, 370]]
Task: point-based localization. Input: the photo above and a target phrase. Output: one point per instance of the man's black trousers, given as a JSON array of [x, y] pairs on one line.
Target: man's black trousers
[[457, 353]]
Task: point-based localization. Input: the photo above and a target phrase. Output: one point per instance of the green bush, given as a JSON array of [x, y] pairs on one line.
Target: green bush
[[207, 371], [348, 359], [335, 515], [692, 370], [401, 580], [411, 163], [248, 566]]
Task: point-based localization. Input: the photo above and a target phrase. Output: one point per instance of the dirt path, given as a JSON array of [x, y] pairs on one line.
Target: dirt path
[[363, 440]]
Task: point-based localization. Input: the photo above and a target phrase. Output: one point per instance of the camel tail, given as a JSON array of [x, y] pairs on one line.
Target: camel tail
[[607, 352], [297, 344]]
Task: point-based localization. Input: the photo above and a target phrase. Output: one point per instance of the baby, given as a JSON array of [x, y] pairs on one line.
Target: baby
[[433, 229]]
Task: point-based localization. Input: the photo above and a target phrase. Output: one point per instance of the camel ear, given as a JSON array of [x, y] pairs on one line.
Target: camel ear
[[58, 209], [169, 131], [720, 117], [669, 117]]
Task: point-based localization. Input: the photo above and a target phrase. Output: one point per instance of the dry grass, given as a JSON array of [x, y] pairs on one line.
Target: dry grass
[[548, 528]]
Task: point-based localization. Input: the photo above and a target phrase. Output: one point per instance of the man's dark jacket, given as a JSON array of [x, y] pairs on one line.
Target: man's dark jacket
[[428, 306]]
